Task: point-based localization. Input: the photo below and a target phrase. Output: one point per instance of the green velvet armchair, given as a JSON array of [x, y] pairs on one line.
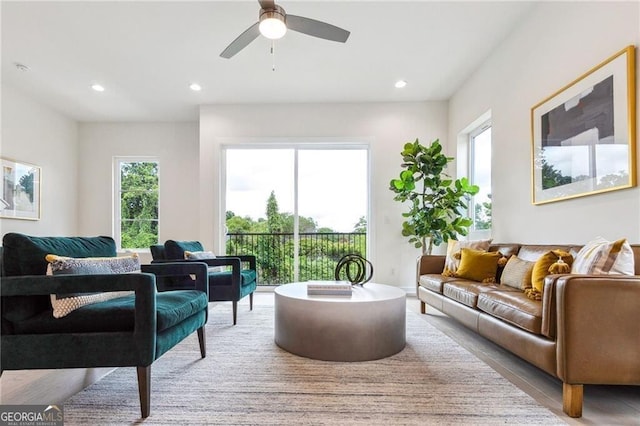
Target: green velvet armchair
[[130, 331], [227, 285]]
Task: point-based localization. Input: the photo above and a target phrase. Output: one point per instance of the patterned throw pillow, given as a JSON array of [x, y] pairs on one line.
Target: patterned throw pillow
[[517, 273], [605, 257], [478, 265], [203, 255], [452, 260], [63, 304], [195, 255]]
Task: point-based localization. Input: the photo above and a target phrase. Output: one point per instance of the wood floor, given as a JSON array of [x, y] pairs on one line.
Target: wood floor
[[603, 405]]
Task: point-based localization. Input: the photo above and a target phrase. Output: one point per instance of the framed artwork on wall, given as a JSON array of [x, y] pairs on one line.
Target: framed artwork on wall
[[584, 136], [20, 197]]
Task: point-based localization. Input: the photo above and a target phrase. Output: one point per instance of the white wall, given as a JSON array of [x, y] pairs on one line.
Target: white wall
[[176, 147], [558, 42], [34, 133], [387, 126]]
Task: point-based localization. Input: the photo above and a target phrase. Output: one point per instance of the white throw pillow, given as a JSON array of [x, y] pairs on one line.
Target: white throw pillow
[[198, 255], [604, 257]]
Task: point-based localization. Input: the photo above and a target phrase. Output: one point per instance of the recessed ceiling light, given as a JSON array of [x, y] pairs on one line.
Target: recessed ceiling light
[[195, 87], [97, 87], [400, 84]]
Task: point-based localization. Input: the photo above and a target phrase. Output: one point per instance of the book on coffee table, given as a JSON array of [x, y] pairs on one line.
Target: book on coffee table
[[329, 288]]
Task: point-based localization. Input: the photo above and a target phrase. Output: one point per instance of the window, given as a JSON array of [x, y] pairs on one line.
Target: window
[[480, 174], [136, 203], [298, 208]]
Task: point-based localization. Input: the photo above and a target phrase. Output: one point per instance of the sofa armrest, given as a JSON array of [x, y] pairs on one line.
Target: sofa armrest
[[180, 269], [248, 258], [430, 264], [597, 327], [36, 285], [548, 326], [233, 261], [143, 284], [236, 268]]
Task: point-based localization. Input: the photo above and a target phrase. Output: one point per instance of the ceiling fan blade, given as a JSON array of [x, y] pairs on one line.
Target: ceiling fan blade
[[241, 41], [267, 4], [316, 28]]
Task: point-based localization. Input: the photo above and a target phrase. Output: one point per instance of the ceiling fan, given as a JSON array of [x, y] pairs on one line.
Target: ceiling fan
[[273, 24]]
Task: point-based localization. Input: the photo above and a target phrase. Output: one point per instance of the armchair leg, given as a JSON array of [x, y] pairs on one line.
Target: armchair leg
[[423, 307], [144, 389], [251, 301], [235, 311], [202, 342], [572, 399]]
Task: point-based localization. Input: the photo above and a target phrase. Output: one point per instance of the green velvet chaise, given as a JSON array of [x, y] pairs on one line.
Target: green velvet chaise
[[129, 331], [227, 285]]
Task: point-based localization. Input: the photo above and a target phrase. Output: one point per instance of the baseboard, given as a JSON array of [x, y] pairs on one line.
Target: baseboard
[[47, 386]]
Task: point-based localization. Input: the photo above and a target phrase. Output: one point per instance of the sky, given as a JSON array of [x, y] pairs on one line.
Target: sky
[[482, 165], [572, 158], [332, 184]]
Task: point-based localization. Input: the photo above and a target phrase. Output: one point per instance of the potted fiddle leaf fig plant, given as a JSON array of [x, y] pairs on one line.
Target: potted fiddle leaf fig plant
[[437, 203]]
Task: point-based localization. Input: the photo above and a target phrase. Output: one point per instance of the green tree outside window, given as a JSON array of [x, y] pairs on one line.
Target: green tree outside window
[[138, 204]]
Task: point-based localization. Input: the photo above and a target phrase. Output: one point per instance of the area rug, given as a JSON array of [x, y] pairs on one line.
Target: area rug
[[246, 379]]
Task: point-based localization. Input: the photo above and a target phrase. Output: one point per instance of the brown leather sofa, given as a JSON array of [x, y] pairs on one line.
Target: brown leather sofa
[[585, 330]]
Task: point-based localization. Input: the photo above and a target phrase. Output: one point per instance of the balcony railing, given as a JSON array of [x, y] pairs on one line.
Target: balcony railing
[[319, 253]]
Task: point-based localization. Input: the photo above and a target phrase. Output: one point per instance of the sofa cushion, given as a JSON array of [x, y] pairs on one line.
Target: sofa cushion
[[605, 257], [517, 273], [25, 255], [452, 260], [478, 265], [174, 250], [466, 292], [513, 307], [117, 315], [507, 250], [434, 282], [157, 252], [247, 276], [532, 252]]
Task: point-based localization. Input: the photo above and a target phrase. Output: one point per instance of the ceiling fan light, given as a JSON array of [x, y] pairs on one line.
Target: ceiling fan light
[[272, 25]]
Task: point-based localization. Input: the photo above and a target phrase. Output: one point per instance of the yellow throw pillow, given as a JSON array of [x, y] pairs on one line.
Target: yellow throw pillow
[[452, 260], [541, 267], [478, 265]]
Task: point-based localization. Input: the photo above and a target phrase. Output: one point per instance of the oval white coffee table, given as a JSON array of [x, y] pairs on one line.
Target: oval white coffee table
[[370, 324]]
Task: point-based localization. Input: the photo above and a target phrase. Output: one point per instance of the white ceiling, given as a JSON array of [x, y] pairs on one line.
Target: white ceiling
[[147, 53]]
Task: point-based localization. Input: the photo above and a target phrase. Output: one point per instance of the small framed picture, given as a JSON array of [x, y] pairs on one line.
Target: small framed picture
[[20, 197]]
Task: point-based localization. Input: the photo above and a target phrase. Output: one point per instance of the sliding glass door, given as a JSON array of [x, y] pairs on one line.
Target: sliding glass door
[[299, 209]]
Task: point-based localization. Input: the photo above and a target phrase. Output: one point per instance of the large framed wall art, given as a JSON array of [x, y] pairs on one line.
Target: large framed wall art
[[584, 135], [20, 197]]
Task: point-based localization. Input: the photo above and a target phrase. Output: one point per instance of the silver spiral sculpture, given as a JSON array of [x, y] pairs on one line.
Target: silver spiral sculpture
[[355, 268]]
